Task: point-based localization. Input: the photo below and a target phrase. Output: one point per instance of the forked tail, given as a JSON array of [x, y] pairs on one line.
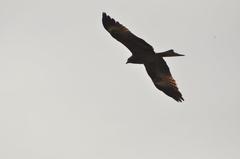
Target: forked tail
[[169, 53]]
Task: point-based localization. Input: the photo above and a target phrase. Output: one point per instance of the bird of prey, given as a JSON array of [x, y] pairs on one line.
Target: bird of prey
[[143, 53]]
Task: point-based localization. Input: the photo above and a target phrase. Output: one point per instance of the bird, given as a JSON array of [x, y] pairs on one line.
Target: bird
[[143, 53]]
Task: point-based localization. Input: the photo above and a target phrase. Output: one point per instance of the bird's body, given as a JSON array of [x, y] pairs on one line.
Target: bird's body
[[143, 53]]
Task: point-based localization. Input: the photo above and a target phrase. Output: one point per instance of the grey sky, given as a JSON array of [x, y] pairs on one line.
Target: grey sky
[[66, 91]]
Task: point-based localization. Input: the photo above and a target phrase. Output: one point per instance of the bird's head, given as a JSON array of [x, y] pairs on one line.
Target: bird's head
[[134, 60], [130, 60]]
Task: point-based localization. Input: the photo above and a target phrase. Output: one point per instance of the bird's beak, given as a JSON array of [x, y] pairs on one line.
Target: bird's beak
[[127, 62]]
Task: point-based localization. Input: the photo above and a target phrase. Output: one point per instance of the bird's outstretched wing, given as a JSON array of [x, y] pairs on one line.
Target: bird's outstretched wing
[[136, 45], [162, 78]]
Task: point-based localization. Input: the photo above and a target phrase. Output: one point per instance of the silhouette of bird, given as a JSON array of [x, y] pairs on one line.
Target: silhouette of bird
[[143, 53]]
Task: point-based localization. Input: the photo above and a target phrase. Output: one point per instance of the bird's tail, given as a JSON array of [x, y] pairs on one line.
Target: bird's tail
[[169, 53]]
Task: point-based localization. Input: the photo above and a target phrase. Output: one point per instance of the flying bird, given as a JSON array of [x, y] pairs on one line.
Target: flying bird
[[143, 53]]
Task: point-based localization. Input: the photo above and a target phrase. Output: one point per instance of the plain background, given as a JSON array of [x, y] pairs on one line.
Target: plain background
[[66, 92]]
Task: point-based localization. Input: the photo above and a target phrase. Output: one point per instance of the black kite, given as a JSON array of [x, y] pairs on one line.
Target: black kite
[[143, 53]]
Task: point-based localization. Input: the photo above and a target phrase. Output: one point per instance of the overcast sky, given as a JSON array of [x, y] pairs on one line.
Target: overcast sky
[[66, 92]]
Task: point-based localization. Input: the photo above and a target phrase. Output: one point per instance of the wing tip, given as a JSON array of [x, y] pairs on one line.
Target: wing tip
[[172, 92], [179, 99], [177, 96], [104, 14], [107, 21]]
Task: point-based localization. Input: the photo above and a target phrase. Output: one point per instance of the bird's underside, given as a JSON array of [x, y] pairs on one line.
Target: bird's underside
[[143, 53]]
